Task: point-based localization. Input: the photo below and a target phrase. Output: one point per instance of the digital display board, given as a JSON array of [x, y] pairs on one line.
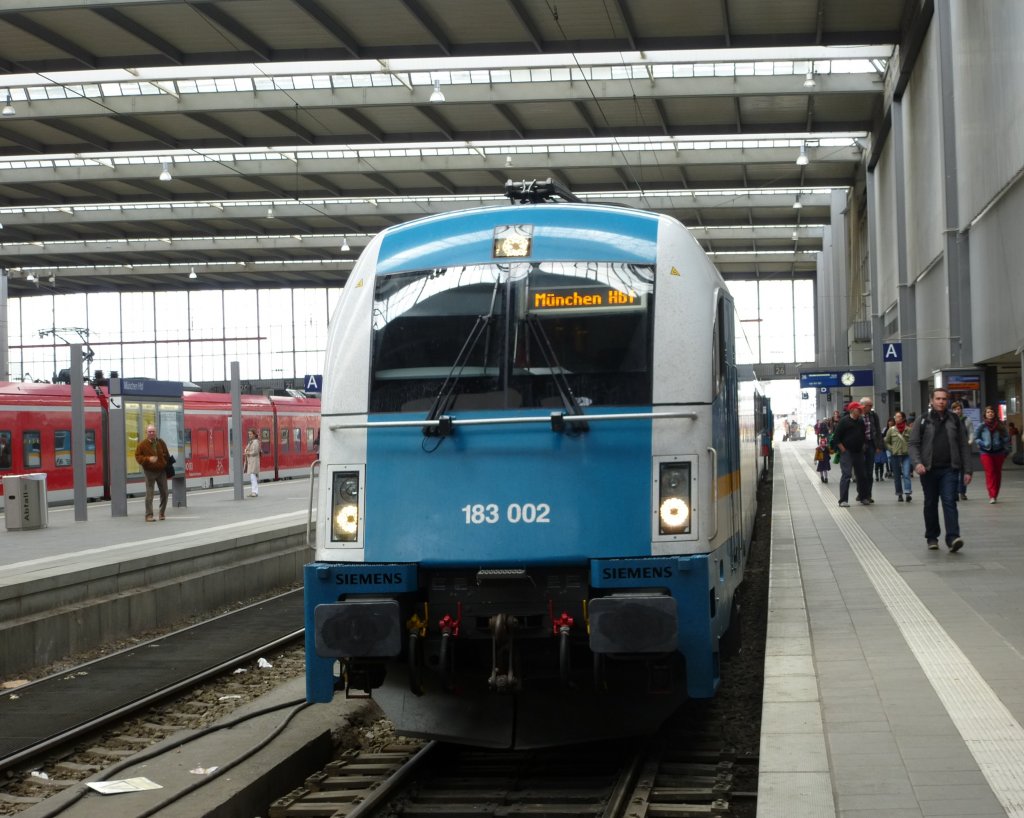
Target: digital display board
[[583, 299]]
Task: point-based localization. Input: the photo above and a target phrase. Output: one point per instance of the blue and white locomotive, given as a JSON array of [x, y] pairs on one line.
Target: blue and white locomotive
[[538, 475]]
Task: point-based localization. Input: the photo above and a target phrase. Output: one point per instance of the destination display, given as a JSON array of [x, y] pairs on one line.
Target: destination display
[[583, 299]]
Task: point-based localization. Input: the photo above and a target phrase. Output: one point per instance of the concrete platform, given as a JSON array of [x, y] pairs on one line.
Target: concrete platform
[[893, 673], [74, 586]]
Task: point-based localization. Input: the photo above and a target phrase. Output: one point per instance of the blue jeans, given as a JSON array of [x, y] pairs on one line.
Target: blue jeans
[[940, 484], [901, 473]]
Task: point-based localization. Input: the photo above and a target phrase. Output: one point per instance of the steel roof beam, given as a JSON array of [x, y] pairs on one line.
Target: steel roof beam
[[229, 24], [428, 23], [329, 24], [127, 24]]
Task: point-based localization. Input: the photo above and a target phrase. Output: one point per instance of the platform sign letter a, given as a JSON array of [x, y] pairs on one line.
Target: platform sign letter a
[[314, 383], [892, 352]]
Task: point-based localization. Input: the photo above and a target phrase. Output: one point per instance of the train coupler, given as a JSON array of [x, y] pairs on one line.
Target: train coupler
[[503, 677]]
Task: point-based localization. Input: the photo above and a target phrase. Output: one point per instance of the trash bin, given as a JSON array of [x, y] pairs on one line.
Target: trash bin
[[25, 506]]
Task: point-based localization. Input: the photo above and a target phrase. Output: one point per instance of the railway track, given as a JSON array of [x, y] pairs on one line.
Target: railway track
[[71, 725], [649, 778]]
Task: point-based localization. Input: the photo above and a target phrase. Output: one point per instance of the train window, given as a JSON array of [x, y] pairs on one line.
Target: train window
[[218, 443], [5, 450], [188, 444], [297, 438], [265, 440], [310, 440], [32, 457], [283, 441], [62, 448], [579, 327]]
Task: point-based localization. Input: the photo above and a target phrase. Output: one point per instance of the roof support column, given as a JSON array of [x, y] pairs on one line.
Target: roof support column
[[957, 245], [910, 393], [5, 358], [840, 276], [877, 343]]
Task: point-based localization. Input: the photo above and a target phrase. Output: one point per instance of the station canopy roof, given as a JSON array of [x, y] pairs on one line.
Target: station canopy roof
[[262, 143]]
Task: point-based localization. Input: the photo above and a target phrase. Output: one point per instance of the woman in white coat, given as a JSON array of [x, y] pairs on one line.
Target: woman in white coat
[[252, 463]]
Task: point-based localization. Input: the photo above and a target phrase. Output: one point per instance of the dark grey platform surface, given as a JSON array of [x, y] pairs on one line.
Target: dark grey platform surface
[[893, 673]]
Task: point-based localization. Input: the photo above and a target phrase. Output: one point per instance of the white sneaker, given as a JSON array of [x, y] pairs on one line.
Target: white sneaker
[[991, 500]]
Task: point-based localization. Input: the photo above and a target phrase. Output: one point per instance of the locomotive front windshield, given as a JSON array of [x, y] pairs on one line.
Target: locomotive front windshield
[[520, 335]]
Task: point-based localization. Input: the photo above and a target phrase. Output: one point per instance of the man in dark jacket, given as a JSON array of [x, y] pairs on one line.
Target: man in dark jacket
[[848, 438], [938, 451]]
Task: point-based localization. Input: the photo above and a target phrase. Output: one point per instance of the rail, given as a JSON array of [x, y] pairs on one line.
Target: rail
[[447, 420], [314, 474]]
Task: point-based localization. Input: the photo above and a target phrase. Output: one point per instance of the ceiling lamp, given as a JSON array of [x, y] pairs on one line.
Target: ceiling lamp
[[796, 236], [809, 80], [796, 204], [53, 279], [165, 174], [508, 161], [30, 277], [270, 212], [802, 158], [192, 273], [344, 244], [437, 96], [8, 109]]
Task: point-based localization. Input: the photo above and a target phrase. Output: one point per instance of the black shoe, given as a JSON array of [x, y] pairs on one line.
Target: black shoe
[[865, 502], [899, 498], [910, 497], [933, 545], [957, 544], [871, 500], [963, 496]]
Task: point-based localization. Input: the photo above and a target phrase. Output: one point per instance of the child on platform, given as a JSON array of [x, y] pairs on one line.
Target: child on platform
[[823, 459]]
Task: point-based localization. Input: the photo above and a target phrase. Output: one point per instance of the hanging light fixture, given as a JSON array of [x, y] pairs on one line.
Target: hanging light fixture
[[437, 96], [192, 273], [344, 244], [796, 203], [802, 158], [809, 79], [8, 109], [508, 161], [165, 174], [270, 212], [796, 235], [30, 277], [53, 279]]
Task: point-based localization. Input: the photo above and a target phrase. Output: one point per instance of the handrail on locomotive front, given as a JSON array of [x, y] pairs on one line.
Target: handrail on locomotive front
[[314, 473], [445, 419]]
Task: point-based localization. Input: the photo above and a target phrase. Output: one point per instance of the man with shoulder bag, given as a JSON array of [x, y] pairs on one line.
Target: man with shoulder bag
[[156, 461]]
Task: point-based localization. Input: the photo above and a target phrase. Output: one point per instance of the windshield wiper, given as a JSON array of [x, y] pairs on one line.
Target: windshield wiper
[[572, 406], [446, 394]]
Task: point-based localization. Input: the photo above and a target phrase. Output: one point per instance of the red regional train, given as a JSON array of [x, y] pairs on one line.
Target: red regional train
[[35, 436]]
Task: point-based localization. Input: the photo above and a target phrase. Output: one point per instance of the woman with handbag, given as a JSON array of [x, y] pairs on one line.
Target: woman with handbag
[[897, 441], [994, 444], [252, 463]]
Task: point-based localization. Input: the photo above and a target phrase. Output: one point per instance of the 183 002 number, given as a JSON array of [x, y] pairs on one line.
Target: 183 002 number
[[491, 513]]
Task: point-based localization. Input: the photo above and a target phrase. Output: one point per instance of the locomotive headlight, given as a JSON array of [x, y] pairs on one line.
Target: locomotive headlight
[[674, 498], [345, 507]]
